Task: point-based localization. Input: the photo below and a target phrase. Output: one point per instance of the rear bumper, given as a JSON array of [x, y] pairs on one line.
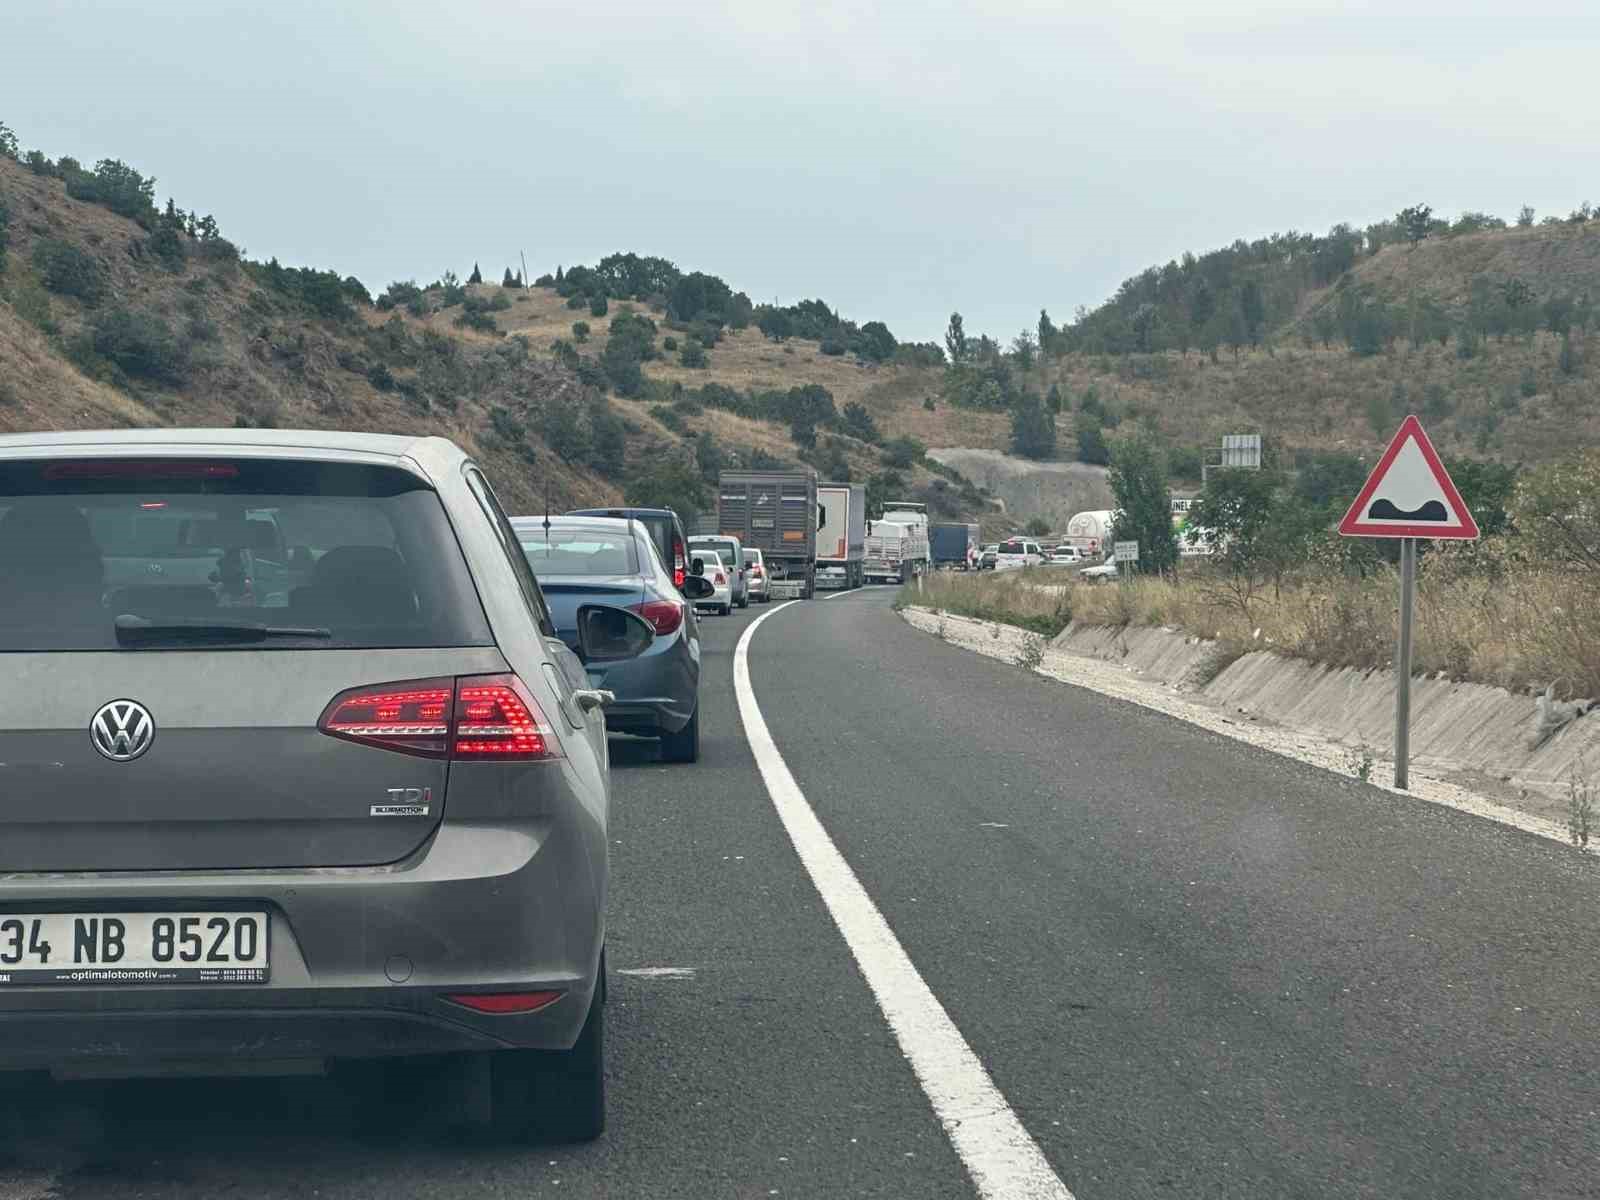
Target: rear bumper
[[291, 1031], [656, 693], [361, 958]]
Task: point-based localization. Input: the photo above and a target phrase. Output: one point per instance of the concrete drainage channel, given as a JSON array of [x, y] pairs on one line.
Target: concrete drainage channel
[[1470, 743]]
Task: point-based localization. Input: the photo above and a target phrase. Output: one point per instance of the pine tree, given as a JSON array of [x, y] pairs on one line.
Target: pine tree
[[955, 340], [508, 281], [476, 276], [1047, 334]]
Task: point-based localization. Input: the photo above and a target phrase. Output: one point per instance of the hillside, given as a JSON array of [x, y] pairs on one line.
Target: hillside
[[1484, 332], [633, 378], [148, 318]]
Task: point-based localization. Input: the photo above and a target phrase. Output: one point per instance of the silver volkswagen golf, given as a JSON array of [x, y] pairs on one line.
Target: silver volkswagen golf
[[295, 770]]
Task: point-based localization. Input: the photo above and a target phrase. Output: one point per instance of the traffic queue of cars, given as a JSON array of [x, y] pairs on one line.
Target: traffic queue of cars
[[308, 763], [1025, 552]]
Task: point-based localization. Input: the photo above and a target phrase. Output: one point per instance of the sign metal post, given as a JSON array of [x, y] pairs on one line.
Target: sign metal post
[[1409, 496]]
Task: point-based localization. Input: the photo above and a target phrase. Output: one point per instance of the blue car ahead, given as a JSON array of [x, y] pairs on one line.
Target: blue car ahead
[[603, 560]]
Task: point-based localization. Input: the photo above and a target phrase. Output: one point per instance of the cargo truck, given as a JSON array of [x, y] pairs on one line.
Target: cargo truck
[[841, 534], [774, 512], [953, 545], [896, 552]]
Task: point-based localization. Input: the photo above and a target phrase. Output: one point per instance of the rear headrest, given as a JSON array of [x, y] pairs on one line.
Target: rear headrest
[[357, 566], [41, 532], [359, 584]]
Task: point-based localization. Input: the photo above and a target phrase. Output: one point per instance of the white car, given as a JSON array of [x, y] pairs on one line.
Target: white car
[[1066, 555], [716, 572], [1019, 552], [1105, 570], [756, 569]]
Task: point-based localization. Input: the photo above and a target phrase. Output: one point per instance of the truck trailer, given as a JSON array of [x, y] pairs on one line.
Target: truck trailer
[[1090, 532], [774, 512], [841, 534], [954, 545]]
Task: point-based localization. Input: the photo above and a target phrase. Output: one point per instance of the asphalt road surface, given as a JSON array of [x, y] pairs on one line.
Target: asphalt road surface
[[1189, 968]]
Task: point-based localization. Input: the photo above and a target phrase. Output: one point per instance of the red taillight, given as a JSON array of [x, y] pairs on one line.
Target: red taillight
[[473, 717], [756, 572], [496, 718], [678, 565], [720, 578], [505, 1002], [413, 718], [664, 615]]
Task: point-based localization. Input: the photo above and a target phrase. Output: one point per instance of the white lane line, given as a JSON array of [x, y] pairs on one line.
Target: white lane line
[[1003, 1160], [659, 972], [846, 592]]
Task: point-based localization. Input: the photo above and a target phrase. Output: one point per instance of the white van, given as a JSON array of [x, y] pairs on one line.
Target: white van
[[1018, 552]]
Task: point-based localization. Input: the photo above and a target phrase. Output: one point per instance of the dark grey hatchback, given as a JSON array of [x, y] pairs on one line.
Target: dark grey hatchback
[[296, 770]]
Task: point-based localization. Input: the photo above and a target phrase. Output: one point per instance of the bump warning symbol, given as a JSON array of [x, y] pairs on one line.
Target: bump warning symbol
[[1409, 494]]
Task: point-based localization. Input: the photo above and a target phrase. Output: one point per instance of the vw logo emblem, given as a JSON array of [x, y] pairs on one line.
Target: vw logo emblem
[[122, 730]]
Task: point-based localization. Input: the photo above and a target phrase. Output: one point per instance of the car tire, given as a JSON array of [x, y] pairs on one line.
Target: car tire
[[683, 746], [557, 1095], [725, 610]]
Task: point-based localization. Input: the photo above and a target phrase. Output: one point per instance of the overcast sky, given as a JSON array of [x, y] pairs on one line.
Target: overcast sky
[[897, 160]]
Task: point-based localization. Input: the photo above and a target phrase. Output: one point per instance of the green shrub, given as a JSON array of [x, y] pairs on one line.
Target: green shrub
[[598, 307], [580, 332], [576, 302], [833, 346], [668, 416], [69, 271], [669, 343], [114, 184], [694, 355], [141, 345], [380, 377], [32, 304], [1529, 383], [608, 438]]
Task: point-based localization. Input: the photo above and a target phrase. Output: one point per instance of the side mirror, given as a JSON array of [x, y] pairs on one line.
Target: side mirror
[[697, 587], [607, 634], [697, 566]]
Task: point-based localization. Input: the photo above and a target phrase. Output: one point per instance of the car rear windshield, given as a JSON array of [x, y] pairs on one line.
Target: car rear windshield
[[752, 556], [724, 548], [112, 553], [579, 550], [659, 524], [1013, 548]]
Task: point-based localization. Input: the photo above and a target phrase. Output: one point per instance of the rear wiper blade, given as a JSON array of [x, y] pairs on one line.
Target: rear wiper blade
[[134, 631]]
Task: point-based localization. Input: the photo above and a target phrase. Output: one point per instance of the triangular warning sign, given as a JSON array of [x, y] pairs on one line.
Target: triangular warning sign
[[1409, 494]]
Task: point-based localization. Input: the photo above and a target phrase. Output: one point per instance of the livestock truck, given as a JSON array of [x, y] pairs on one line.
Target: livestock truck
[[774, 512], [841, 534], [954, 545]]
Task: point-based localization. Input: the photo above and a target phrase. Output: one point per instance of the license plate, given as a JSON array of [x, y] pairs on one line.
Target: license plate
[[133, 947]]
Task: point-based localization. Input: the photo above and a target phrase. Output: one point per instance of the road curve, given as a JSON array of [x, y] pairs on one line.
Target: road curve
[[1193, 967]]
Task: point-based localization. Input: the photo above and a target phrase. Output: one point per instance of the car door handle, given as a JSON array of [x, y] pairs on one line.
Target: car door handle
[[590, 699]]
